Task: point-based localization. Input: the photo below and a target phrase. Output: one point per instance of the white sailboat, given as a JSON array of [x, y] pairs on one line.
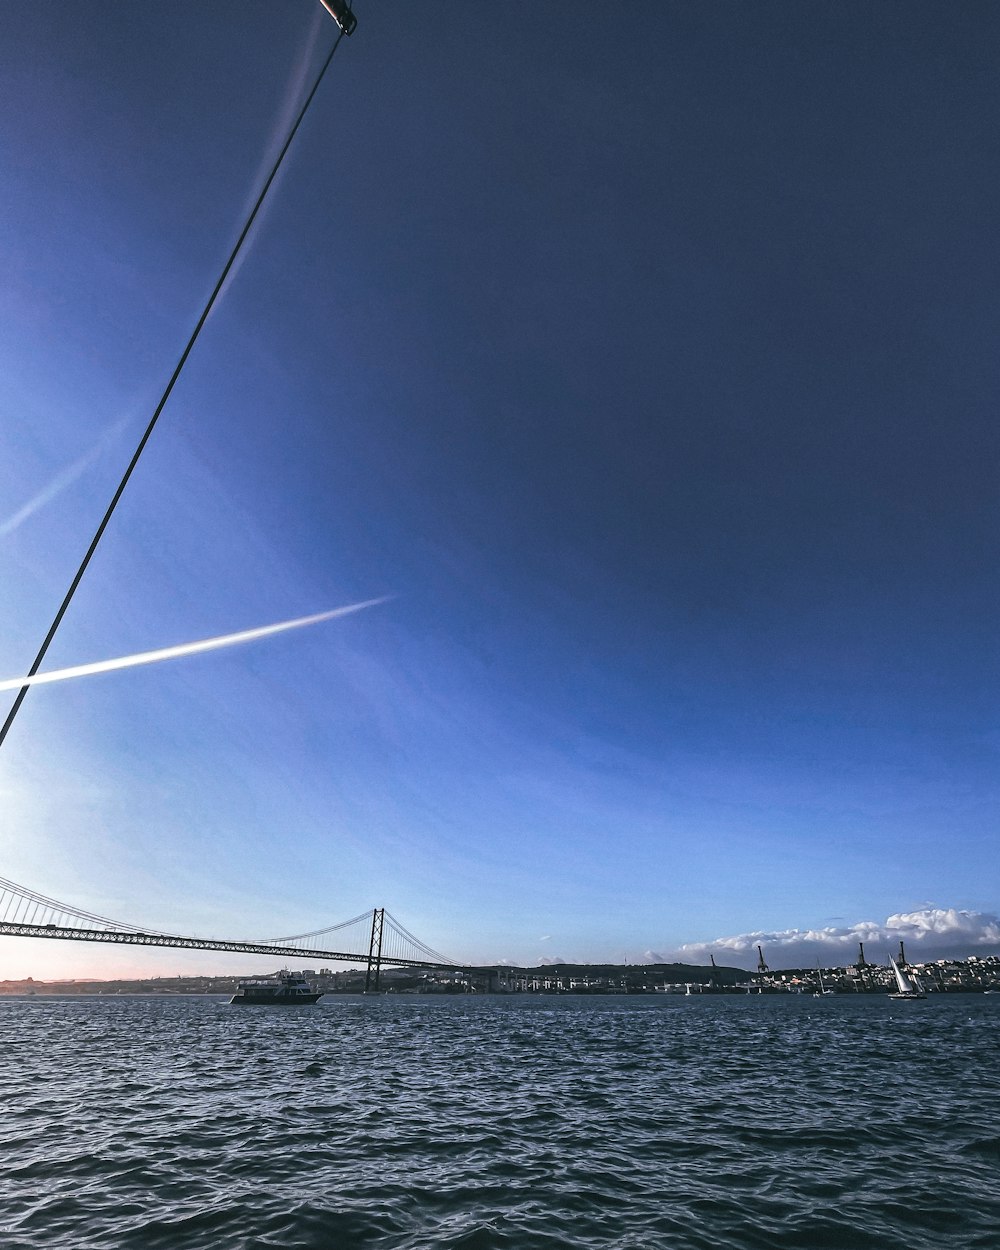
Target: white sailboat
[[822, 992], [907, 983]]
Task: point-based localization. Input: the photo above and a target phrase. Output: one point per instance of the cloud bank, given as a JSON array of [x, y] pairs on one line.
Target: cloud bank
[[930, 933]]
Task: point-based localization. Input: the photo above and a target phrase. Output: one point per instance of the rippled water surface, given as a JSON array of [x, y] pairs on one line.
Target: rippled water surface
[[406, 1122]]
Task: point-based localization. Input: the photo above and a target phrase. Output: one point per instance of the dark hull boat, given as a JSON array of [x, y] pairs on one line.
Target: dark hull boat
[[284, 990]]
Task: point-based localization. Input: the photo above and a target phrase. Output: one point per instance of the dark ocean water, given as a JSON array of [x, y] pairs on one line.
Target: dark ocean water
[[410, 1122]]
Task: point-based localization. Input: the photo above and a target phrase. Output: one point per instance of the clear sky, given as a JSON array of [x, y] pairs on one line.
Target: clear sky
[[644, 354]]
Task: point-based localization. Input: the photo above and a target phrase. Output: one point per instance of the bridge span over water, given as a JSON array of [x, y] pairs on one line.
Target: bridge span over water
[[374, 938]]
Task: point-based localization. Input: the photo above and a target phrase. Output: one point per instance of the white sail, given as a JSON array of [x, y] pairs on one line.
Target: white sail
[[903, 982], [908, 986]]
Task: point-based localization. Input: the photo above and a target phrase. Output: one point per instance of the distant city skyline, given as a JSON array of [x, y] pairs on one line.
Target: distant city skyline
[[648, 382]]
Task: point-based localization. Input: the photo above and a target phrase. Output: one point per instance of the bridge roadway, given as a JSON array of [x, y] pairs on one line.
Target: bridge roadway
[[133, 937]]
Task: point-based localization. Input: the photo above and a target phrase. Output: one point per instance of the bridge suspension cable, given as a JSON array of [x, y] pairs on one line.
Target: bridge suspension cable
[[317, 933], [19, 905], [397, 930]]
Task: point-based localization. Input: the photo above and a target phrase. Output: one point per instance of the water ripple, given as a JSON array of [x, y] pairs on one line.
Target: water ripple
[[408, 1123]]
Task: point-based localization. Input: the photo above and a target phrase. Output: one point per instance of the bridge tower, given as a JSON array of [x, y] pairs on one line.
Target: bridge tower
[[375, 949]]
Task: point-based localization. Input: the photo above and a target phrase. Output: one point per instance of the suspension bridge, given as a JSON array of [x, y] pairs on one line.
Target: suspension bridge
[[374, 938]]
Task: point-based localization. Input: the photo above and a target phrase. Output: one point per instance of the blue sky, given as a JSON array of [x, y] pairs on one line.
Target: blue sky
[[647, 361]]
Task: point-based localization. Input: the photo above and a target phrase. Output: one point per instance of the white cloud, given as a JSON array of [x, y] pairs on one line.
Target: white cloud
[[557, 959], [930, 932]]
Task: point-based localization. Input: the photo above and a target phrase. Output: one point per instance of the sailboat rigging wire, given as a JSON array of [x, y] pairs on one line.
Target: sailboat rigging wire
[[166, 393]]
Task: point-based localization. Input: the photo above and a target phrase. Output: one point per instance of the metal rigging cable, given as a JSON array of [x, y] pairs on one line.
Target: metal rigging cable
[[330, 928], [407, 936], [342, 15]]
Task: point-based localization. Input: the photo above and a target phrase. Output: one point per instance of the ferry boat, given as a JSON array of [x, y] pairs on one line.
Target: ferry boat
[[287, 989]]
